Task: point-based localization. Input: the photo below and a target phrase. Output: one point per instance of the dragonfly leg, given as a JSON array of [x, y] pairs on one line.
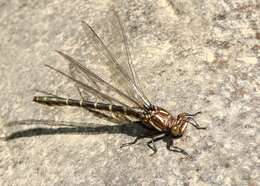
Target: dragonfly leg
[[195, 123], [191, 120], [154, 139], [191, 115], [171, 147], [133, 142]]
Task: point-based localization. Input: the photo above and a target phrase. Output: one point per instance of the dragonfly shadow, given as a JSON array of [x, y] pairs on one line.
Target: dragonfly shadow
[[50, 127]]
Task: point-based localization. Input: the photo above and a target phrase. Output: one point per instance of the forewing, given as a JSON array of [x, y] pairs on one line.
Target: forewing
[[124, 70], [125, 58]]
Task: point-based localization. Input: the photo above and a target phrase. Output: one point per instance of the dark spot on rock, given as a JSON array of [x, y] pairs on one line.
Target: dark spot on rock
[[257, 35], [227, 165], [220, 17]]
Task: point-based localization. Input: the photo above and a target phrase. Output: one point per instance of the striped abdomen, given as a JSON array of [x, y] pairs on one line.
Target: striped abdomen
[[57, 101]]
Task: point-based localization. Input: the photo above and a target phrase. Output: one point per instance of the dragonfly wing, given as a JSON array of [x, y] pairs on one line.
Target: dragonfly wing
[[87, 87], [101, 86], [126, 72], [129, 68]]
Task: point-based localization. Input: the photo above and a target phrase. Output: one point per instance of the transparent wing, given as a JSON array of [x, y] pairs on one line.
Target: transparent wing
[[118, 25], [126, 72], [97, 80]]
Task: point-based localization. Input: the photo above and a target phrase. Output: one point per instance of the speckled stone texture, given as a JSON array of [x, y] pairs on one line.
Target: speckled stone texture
[[190, 56]]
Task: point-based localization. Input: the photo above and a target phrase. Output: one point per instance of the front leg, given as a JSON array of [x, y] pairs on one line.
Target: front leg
[[195, 123], [189, 114], [191, 120]]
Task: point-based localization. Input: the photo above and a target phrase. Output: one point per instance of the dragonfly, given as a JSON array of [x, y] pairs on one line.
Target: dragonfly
[[129, 102]]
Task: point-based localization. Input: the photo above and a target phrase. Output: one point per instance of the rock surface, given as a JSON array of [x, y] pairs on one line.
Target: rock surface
[[190, 56]]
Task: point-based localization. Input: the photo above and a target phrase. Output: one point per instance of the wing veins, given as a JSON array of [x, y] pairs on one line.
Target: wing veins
[[96, 77], [129, 60], [88, 88], [102, 47]]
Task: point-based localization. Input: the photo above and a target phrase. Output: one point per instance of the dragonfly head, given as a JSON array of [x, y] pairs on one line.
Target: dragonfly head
[[179, 126]]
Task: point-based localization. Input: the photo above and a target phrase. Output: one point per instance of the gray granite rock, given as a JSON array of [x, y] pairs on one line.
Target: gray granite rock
[[190, 56]]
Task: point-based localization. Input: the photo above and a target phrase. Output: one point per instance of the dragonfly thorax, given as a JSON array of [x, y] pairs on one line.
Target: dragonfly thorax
[[163, 121], [159, 118]]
